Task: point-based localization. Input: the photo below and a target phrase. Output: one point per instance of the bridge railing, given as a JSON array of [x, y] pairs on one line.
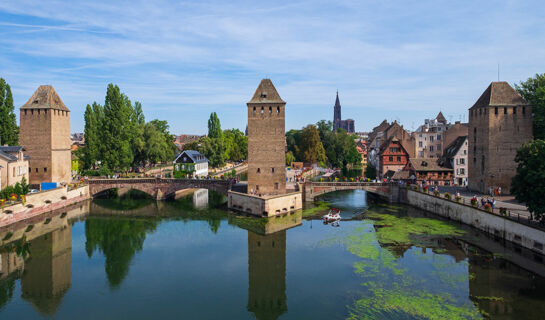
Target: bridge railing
[[348, 184], [155, 180]]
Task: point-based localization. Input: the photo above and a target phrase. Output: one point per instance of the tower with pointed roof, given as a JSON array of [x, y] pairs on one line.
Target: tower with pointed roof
[[45, 136], [500, 122], [337, 113], [266, 141]]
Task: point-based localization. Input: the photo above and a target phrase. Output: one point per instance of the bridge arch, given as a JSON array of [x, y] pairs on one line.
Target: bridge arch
[[315, 189]]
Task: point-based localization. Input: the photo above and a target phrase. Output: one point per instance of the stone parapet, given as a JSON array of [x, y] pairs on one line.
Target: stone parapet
[[265, 206]]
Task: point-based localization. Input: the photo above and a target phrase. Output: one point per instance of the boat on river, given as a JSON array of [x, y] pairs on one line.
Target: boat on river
[[333, 215]]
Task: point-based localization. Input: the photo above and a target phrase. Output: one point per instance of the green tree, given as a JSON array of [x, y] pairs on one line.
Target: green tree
[[91, 153], [370, 171], [214, 127], [533, 91], [214, 150], [138, 144], [9, 131], [311, 147], [289, 158], [25, 187], [528, 185], [236, 145], [118, 130], [293, 138]]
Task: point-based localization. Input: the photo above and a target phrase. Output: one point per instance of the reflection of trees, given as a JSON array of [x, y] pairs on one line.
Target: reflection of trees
[[6, 289], [119, 240]]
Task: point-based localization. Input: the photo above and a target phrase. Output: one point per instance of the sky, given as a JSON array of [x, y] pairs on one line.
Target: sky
[[394, 60]]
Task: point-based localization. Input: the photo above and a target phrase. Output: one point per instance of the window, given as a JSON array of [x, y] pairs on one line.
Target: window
[[496, 110], [438, 137], [262, 110], [391, 159], [420, 135], [14, 171], [272, 170], [523, 110], [438, 148], [482, 164], [398, 159], [514, 110], [456, 161], [276, 186], [474, 160], [462, 171], [431, 148], [439, 129], [420, 144], [465, 151], [431, 138], [254, 111], [270, 110], [462, 161], [45, 169], [277, 110], [36, 170], [29, 171], [504, 110], [258, 170], [480, 111]]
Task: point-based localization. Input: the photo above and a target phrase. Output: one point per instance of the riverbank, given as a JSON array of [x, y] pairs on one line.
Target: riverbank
[[523, 235], [42, 202]]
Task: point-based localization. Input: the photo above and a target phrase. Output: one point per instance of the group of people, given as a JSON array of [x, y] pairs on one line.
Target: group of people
[[484, 201]]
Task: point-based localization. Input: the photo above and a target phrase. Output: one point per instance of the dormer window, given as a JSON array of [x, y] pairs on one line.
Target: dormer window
[[263, 95]]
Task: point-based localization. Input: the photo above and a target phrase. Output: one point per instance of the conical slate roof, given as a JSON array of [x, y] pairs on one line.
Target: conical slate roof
[[45, 97], [337, 102], [500, 94], [266, 93]]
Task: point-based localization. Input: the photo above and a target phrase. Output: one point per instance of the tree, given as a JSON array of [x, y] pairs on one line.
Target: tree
[[9, 131], [138, 144], [311, 147], [25, 187], [92, 151], [214, 127], [528, 185], [293, 138], [370, 171], [214, 150], [236, 145], [290, 158], [533, 91]]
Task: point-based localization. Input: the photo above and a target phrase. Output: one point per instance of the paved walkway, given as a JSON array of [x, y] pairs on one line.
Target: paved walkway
[[507, 202]]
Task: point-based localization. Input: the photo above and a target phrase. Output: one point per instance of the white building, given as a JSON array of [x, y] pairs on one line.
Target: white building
[[429, 137], [455, 157], [192, 163]]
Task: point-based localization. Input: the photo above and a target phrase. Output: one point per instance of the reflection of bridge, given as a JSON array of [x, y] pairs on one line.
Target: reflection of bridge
[[387, 191], [159, 189]]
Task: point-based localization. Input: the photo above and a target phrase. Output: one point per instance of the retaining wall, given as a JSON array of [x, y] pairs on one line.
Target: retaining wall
[[267, 205], [42, 202], [523, 235]]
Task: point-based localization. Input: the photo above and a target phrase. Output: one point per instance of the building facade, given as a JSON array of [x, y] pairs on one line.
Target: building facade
[[455, 157], [393, 157], [191, 163], [429, 171], [266, 141], [13, 166], [500, 122], [45, 136], [338, 123]]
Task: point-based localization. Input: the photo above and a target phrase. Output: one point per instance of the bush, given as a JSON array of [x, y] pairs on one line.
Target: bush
[[436, 193], [474, 202], [458, 198], [447, 196], [487, 207], [425, 189]]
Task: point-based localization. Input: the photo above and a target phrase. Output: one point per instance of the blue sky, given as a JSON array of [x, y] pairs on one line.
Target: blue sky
[[395, 60]]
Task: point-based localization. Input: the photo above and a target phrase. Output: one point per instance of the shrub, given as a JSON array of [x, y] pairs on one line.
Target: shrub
[[458, 199], [436, 193], [474, 202], [447, 196], [487, 207], [425, 189]]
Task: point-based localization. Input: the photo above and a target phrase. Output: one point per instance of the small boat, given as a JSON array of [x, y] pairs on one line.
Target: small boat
[[333, 215]]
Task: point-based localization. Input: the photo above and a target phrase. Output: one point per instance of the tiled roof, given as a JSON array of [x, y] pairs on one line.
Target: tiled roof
[[7, 156], [452, 149], [500, 94], [11, 148], [427, 164], [45, 97], [266, 93]]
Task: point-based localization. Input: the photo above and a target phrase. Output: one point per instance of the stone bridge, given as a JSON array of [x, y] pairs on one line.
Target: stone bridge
[[158, 188], [386, 191]]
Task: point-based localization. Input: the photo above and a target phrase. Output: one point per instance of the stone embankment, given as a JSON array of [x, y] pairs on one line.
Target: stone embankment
[[521, 234], [42, 202]]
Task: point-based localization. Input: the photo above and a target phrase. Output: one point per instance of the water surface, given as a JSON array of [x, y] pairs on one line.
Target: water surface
[[139, 259]]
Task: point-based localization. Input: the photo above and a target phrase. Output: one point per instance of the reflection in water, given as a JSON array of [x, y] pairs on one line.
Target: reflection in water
[[48, 271], [119, 239], [267, 275], [397, 263], [200, 198]]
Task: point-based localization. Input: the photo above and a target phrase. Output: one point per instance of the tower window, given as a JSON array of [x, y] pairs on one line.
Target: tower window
[[523, 110], [270, 110], [258, 170], [45, 169], [276, 186], [262, 110], [480, 111], [254, 111], [496, 110], [25, 112], [277, 110], [36, 170], [272, 170], [504, 110], [514, 110]]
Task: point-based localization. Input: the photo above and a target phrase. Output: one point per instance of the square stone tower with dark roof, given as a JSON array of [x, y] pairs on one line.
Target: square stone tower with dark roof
[[266, 141], [45, 136], [500, 122]]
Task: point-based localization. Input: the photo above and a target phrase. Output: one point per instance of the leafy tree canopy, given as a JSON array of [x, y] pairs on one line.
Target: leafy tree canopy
[[533, 91], [9, 131], [528, 185]]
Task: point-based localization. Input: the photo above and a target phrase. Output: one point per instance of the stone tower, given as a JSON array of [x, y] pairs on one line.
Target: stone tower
[[45, 136], [337, 113], [266, 141], [500, 122]]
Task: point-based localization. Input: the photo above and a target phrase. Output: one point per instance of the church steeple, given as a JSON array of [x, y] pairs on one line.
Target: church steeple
[[337, 113]]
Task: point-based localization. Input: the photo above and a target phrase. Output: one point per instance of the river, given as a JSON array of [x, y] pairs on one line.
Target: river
[[132, 258]]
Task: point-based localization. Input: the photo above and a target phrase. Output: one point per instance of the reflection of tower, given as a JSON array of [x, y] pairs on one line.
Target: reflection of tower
[[48, 272], [267, 275]]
